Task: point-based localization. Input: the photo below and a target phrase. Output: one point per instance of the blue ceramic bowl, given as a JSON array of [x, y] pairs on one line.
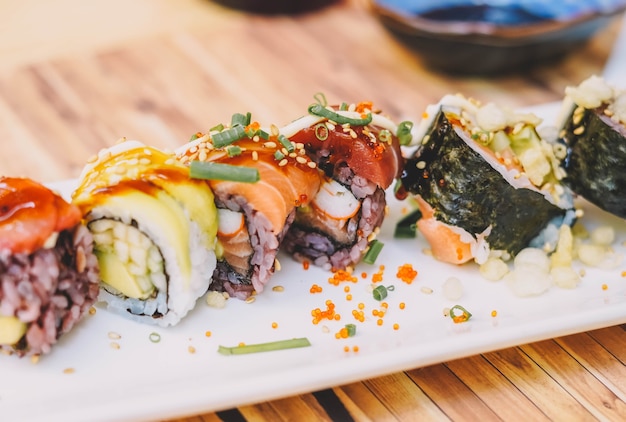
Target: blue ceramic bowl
[[494, 36]]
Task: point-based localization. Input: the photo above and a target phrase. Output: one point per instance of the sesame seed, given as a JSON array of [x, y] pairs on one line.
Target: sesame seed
[[282, 162], [301, 160], [115, 345], [255, 155], [278, 289], [277, 266], [114, 336], [68, 371], [269, 144], [250, 299], [311, 164], [579, 130], [421, 165]]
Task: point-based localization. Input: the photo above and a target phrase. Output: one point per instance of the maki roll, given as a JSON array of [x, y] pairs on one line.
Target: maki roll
[[485, 182], [359, 152], [154, 231], [259, 178], [48, 272], [594, 132]]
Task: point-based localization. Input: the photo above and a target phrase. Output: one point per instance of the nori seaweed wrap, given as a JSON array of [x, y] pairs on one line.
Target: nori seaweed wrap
[[485, 181], [594, 132]]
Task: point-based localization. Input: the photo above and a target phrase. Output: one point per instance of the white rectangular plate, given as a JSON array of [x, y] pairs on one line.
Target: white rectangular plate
[[146, 380]]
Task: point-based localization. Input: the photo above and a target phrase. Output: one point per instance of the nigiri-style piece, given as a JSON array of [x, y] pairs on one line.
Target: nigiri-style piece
[[259, 178], [48, 272], [594, 132], [485, 182], [358, 150], [154, 230]]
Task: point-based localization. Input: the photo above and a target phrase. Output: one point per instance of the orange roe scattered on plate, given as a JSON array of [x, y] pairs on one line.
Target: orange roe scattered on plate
[[315, 289], [396, 326], [348, 297], [274, 325], [305, 265], [605, 287], [364, 274], [623, 273], [494, 313], [346, 349], [207, 334], [358, 315], [402, 305], [340, 276], [329, 314], [406, 273], [379, 321], [346, 289]]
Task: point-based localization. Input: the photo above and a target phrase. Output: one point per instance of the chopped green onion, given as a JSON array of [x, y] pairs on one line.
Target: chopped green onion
[[404, 132], [228, 136], [154, 337], [278, 155], [286, 143], [233, 150], [372, 253], [380, 292], [321, 131], [462, 317], [320, 98], [385, 136], [263, 135], [406, 227], [319, 110], [351, 328], [217, 128], [265, 347], [220, 171], [240, 119], [343, 106], [195, 136]]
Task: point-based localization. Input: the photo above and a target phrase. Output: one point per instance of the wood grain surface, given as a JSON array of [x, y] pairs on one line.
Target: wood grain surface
[[76, 76]]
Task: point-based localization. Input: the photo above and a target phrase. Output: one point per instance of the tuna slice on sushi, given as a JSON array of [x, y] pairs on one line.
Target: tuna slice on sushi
[[594, 132], [154, 231], [259, 178], [358, 150], [48, 272], [485, 182]]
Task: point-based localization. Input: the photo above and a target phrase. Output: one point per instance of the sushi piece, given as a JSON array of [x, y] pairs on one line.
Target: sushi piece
[[154, 230], [359, 152], [48, 272], [485, 182], [259, 178], [594, 132]]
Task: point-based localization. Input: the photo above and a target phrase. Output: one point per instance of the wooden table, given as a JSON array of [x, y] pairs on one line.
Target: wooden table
[[75, 76]]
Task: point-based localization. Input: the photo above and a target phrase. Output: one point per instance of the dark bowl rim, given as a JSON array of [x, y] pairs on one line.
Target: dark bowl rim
[[487, 30]]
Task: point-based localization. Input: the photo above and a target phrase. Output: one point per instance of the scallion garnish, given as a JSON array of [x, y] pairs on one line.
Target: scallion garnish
[[319, 110], [196, 136], [404, 132], [463, 316], [278, 155], [380, 292], [286, 143], [406, 227], [233, 150], [217, 128], [343, 106], [374, 250], [240, 119], [263, 135], [265, 347], [321, 131], [220, 171], [351, 329], [385, 136], [321, 99], [154, 337], [228, 136]]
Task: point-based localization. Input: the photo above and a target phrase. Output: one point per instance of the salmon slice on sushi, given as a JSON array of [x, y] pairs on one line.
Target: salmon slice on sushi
[[259, 178], [48, 272], [358, 149], [154, 230], [485, 181], [594, 133]]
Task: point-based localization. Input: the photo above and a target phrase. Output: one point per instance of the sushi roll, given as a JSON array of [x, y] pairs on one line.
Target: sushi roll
[[259, 178], [486, 183], [594, 133], [154, 230], [359, 152], [48, 272]]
